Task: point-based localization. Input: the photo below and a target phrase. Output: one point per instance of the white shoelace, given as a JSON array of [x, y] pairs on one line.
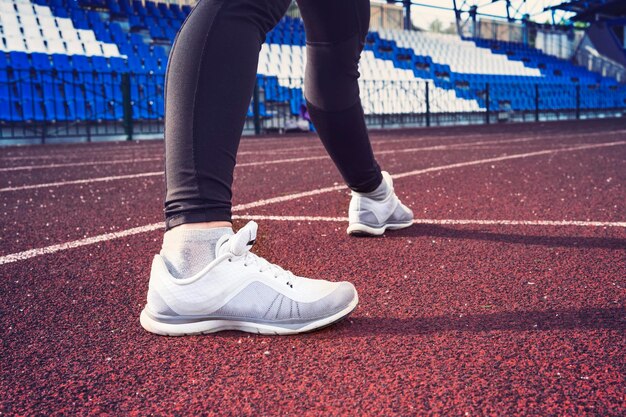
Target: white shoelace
[[250, 259]]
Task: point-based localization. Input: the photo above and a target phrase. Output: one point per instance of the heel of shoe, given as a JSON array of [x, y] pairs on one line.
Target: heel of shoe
[[359, 229]]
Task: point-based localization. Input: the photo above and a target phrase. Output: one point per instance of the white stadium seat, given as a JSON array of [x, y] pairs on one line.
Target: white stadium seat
[[110, 49], [47, 21], [74, 47], [93, 48], [86, 35], [64, 23], [13, 31], [25, 9], [287, 62], [56, 46], [15, 44], [9, 20], [31, 31], [29, 21], [35, 45], [42, 10], [69, 34], [462, 56], [28, 27], [6, 7], [49, 33]]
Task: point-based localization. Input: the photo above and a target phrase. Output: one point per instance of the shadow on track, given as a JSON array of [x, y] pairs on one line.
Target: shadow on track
[[566, 319], [428, 230], [516, 321]]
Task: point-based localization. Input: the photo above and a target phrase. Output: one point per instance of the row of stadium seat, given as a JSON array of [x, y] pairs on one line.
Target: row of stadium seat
[[33, 28], [99, 64], [77, 110]]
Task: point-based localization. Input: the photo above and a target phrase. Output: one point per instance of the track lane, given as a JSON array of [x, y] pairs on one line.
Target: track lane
[[586, 185], [19, 178], [448, 322]]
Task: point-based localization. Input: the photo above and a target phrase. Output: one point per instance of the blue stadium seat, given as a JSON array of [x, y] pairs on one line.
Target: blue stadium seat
[[18, 60], [139, 8], [114, 8], [165, 11], [118, 64], [81, 63], [5, 108], [79, 108], [136, 22], [40, 61], [177, 12], [79, 19], [135, 65], [32, 110], [61, 62], [100, 64]]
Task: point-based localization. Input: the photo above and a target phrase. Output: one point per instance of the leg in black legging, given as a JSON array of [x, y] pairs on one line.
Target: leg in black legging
[[335, 33], [209, 83], [210, 78]]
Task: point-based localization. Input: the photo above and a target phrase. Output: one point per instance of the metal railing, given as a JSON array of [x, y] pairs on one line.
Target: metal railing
[[47, 106], [414, 103], [50, 104]]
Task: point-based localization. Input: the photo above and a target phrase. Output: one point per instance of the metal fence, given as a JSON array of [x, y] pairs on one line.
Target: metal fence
[[48, 106]]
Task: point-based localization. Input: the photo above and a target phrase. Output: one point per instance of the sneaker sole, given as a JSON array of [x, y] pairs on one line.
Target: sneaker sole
[[358, 229], [213, 326]]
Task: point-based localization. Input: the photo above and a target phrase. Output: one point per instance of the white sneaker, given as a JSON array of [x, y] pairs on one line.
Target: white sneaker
[[369, 217], [242, 291]]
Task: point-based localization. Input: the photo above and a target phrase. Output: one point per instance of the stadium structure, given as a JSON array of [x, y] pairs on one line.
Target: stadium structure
[[91, 69]]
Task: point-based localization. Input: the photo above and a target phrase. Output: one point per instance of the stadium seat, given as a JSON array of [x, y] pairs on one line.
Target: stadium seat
[[87, 46]]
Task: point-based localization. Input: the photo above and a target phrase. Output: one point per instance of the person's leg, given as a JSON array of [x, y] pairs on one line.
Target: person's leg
[[210, 79], [335, 36], [206, 279], [335, 32]]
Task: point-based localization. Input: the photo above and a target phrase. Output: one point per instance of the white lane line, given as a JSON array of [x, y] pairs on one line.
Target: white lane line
[[155, 226], [247, 164], [508, 157], [49, 151], [78, 164], [20, 256], [84, 181], [579, 223]]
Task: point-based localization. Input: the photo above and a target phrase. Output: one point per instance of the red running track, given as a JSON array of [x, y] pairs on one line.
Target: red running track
[[507, 297]]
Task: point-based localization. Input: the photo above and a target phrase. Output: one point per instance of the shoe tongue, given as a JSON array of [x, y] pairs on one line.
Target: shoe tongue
[[240, 242]]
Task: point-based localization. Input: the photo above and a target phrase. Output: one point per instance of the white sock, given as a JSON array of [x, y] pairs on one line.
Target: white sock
[[187, 251], [379, 193]]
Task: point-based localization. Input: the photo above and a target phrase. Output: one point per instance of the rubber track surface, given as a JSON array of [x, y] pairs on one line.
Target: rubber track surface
[[468, 312]]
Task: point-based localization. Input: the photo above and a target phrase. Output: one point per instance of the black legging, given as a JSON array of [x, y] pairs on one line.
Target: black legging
[[209, 82]]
